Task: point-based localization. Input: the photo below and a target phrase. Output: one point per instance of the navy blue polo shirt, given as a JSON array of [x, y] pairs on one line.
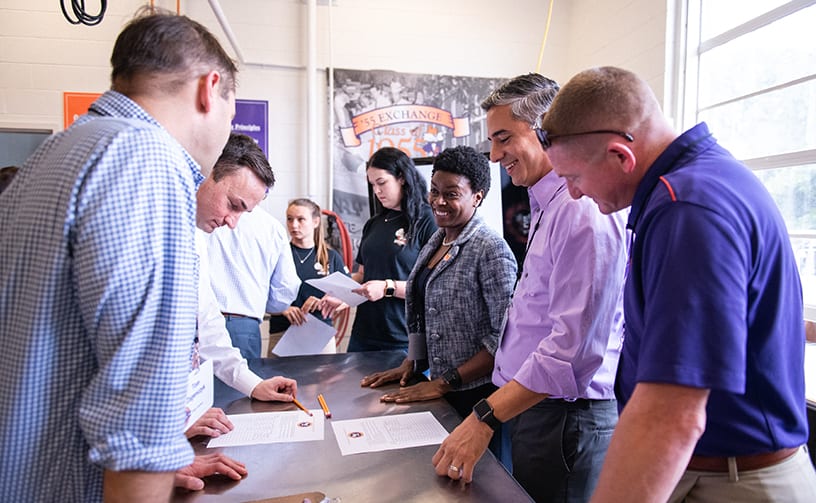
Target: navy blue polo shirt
[[713, 298]]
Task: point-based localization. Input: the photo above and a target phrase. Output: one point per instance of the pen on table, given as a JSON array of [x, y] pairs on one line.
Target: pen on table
[[301, 407], [326, 411]]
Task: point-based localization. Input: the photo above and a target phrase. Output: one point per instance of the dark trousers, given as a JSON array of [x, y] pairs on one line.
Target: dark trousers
[[558, 447]]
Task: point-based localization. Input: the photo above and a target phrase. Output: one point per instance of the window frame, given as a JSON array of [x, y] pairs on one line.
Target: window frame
[[681, 92]]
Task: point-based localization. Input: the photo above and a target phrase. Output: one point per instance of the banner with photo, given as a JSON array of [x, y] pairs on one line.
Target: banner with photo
[[418, 113]]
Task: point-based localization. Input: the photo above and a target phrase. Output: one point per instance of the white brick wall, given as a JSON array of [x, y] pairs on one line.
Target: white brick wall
[[626, 33], [41, 55]]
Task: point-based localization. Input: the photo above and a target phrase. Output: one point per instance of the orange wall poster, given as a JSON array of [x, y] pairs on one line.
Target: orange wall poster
[[76, 104]]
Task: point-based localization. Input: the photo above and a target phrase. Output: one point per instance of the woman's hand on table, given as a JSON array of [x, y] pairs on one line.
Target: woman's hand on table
[[401, 374], [428, 390]]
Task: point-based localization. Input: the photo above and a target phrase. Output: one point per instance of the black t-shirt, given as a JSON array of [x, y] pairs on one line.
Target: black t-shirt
[[385, 254], [307, 267]]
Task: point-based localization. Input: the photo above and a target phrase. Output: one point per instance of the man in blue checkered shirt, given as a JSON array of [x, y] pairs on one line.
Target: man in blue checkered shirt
[[98, 275]]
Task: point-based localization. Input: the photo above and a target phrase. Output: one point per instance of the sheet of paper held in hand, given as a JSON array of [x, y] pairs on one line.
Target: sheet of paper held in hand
[[271, 428], [383, 433], [339, 285], [311, 338]]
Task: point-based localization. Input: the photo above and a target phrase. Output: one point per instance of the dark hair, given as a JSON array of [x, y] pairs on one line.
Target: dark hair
[[159, 42], [321, 248], [465, 161], [6, 176], [241, 152], [414, 190], [529, 96]]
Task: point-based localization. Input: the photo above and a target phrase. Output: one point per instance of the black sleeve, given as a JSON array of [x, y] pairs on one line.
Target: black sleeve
[[336, 263]]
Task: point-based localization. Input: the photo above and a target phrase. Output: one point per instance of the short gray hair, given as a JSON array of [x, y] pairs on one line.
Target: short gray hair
[[529, 97]]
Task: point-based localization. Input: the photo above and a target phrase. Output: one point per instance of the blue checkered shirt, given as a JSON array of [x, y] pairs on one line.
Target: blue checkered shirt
[[97, 306]]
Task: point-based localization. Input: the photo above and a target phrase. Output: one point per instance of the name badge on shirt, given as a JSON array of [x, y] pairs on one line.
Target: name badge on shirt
[[199, 392]]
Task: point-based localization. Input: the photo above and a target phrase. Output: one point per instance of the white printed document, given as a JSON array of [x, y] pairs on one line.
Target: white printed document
[[312, 338], [339, 285], [271, 428], [383, 433]]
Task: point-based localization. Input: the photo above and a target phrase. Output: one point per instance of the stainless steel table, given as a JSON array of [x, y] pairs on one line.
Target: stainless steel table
[[298, 467]]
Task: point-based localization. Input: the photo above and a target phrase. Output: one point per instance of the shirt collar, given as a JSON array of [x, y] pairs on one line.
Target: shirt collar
[[544, 191], [683, 148], [115, 104]]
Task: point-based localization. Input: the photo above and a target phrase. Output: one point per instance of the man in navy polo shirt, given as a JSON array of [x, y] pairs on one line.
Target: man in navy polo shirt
[[711, 376]]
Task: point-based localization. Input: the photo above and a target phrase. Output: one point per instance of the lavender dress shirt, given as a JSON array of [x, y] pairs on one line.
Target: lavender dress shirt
[[565, 323]]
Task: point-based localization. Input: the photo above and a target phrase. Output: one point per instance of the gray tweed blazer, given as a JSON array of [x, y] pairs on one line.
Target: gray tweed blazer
[[466, 299]]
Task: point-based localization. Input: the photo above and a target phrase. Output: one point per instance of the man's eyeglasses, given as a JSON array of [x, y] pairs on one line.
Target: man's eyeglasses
[[546, 139]]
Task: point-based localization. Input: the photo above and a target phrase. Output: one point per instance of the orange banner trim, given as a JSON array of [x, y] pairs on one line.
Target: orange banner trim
[[397, 114]]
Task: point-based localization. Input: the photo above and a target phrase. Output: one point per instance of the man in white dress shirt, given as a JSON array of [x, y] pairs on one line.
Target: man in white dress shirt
[[239, 180], [252, 273]]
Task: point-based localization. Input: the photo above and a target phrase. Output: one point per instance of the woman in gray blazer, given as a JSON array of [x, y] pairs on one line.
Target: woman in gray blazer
[[457, 293]]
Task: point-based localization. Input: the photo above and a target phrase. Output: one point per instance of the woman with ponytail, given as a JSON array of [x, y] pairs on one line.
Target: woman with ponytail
[[313, 259]]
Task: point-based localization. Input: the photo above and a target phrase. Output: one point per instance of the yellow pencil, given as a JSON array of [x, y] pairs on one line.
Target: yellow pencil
[[323, 406], [301, 407]]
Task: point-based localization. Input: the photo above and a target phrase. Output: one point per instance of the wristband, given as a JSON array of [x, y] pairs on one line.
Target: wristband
[[484, 413], [390, 287], [452, 378]]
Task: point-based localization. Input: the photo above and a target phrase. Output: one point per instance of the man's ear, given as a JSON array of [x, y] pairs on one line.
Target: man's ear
[[623, 155], [208, 88]]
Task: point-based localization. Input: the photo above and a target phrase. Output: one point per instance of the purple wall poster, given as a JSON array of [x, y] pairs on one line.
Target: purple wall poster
[[251, 119]]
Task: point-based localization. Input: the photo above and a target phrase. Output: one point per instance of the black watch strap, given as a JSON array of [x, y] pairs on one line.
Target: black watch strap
[[484, 413], [452, 378]]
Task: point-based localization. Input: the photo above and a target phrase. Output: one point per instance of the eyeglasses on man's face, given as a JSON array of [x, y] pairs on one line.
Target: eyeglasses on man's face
[[546, 138]]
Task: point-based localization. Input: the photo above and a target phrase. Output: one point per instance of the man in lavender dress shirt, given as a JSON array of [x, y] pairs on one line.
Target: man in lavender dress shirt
[[559, 350]]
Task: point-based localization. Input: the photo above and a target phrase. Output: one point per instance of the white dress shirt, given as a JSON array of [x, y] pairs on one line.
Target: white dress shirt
[[214, 342], [252, 270]]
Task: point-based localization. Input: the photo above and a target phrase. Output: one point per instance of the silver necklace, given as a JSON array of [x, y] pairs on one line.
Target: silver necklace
[[445, 243], [393, 217], [302, 260]]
